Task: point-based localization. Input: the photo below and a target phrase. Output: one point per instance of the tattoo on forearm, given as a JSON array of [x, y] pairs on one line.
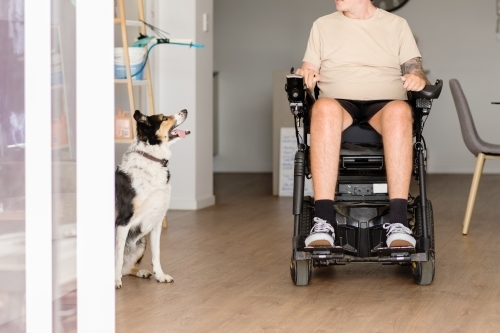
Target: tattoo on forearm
[[414, 66]]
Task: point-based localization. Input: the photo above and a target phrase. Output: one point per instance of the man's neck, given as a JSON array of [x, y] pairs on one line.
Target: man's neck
[[362, 12]]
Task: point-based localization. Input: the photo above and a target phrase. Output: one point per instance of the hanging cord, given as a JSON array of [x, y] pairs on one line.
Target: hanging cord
[[297, 133], [144, 62], [423, 124], [422, 144], [422, 136]]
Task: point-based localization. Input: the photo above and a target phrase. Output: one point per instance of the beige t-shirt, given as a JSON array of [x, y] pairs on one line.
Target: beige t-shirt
[[361, 59]]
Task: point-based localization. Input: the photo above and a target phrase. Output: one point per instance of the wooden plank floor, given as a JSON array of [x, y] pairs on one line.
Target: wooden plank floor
[[230, 263]]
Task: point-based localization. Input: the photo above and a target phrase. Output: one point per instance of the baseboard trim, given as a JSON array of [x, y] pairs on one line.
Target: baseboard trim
[[183, 204]]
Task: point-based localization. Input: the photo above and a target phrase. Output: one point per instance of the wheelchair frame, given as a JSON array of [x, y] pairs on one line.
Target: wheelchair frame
[[421, 258]]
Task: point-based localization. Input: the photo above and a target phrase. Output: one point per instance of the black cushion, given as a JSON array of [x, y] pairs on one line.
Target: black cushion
[[361, 135]]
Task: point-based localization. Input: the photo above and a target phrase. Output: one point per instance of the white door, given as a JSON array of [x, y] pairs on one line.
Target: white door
[[56, 166]]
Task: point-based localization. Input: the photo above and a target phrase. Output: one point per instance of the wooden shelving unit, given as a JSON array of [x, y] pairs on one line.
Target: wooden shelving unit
[[129, 81]]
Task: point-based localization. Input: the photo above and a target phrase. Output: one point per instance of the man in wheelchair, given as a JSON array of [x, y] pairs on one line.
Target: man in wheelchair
[[368, 59], [365, 62]]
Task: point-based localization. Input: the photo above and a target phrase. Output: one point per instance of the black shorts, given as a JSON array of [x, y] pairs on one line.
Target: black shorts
[[362, 111]]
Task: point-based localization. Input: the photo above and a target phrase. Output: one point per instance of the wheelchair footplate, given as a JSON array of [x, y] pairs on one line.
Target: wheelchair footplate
[[322, 252], [400, 254], [337, 254]]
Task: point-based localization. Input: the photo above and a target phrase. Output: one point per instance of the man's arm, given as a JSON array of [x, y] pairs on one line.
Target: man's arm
[[414, 77]]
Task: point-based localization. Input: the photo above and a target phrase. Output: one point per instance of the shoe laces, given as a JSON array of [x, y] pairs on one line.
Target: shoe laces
[[321, 225], [396, 228]]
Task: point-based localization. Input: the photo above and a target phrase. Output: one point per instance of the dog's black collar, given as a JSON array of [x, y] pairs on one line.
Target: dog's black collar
[[162, 161]]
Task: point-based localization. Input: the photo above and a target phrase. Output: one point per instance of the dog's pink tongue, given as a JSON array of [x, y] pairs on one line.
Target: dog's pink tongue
[[181, 133]]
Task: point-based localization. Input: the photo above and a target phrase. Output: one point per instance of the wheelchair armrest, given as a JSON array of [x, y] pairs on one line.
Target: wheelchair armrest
[[430, 91]]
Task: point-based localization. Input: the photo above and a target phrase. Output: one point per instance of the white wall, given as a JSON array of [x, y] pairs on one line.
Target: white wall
[[254, 38], [204, 104], [185, 82], [457, 39]]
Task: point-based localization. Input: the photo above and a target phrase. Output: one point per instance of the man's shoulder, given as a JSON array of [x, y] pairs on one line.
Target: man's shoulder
[[328, 18], [328, 22], [385, 15]]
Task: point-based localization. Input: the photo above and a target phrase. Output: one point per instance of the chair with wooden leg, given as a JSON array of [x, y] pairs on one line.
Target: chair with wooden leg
[[483, 150]]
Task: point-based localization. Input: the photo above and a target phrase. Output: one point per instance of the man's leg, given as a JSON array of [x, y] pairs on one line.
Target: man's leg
[[328, 120], [394, 122]]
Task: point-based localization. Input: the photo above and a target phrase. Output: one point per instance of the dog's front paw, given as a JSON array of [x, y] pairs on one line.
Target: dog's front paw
[[118, 283], [143, 273], [163, 278]]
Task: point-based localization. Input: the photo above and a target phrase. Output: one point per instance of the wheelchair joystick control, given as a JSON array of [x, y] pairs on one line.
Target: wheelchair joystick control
[[296, 92]]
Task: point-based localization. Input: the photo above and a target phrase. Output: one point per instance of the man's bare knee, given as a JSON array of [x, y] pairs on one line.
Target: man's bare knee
[[395, 115], [326, 107], [398, 112], [329, 111]]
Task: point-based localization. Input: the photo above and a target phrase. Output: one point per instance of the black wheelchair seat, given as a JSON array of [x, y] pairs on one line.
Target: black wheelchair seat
[[361, 134]]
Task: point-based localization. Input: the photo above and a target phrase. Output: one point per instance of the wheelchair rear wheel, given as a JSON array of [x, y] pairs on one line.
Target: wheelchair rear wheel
[[423, 271]]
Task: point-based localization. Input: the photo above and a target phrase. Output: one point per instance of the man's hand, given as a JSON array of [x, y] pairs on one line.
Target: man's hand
[[311, 76], [412, 82], [413, 78]]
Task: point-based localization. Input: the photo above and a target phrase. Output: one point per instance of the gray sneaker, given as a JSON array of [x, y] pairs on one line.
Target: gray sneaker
[[398, 235], [322, 234]]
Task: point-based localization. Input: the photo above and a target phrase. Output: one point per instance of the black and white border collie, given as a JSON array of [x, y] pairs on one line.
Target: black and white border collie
[[142, 194]]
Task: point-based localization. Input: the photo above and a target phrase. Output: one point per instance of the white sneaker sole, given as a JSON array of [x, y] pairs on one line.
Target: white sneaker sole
[[319, 239], [400, 240]]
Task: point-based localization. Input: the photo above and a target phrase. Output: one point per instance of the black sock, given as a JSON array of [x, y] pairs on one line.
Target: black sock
[[397, 211], [323, 209]]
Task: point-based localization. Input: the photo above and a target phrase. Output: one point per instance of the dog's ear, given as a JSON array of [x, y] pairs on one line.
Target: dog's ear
[[140, 118]]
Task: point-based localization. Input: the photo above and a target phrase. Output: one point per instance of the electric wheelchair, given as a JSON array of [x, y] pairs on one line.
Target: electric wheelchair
[[361, 198]]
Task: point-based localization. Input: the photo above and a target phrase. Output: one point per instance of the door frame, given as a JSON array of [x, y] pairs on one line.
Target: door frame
[[95, 166]]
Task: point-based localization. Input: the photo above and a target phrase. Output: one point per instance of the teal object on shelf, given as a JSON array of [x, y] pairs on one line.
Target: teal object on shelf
[[142, 42]]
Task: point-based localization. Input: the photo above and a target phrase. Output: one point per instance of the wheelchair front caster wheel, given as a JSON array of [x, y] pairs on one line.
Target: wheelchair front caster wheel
[[300, 271], [423, 272]]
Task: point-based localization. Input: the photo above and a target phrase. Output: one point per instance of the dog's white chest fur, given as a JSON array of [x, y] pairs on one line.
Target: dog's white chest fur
[[150, 180]]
